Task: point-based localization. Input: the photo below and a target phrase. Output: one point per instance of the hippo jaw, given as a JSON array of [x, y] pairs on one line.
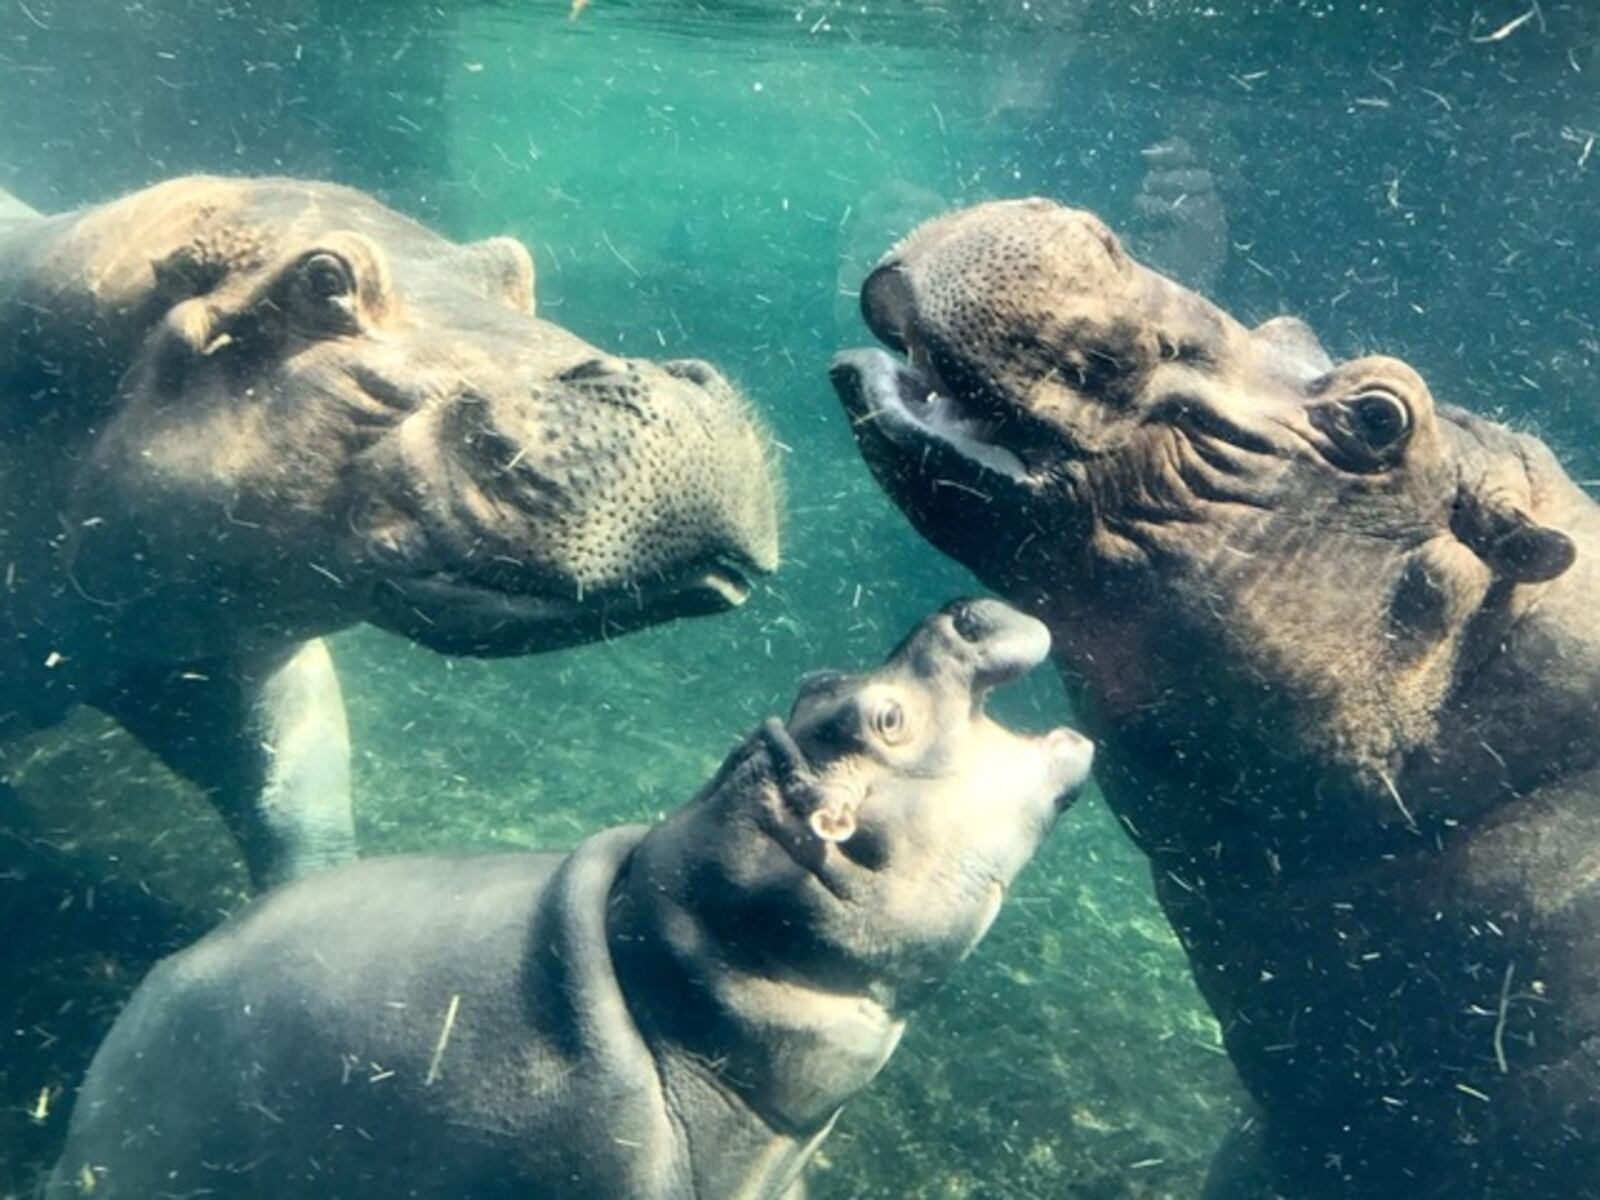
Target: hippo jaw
[[340, 416], [451, 614], [916, 410], [1201, 508]]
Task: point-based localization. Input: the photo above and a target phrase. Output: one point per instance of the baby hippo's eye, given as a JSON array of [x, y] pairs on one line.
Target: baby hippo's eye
[[889, 722]]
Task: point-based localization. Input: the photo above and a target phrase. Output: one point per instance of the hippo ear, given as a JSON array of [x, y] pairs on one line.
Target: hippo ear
[[1292, 348], [829, 811], [834, 819], [508, 272], [1508, 540]]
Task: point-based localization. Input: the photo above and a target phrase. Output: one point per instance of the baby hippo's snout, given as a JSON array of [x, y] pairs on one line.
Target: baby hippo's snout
[[907, 802], [961, 653], [1006, 644], [905, 777]]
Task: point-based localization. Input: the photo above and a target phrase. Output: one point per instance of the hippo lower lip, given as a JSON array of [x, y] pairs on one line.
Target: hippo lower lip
[[717, 587], [449, 611], [908, 406], [1072, 757]]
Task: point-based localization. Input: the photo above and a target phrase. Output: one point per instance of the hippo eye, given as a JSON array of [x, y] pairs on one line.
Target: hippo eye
[[1380, 418], [326, 277], [889, 723]]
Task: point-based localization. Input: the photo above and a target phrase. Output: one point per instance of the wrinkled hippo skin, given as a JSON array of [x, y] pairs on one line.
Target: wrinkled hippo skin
[[671, 1012], [1339, 646], [241, 414]]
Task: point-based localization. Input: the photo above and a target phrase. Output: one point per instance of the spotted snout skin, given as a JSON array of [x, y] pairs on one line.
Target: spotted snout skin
[[1035, 313]]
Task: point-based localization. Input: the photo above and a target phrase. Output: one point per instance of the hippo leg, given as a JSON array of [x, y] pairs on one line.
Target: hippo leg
[[270, 747]]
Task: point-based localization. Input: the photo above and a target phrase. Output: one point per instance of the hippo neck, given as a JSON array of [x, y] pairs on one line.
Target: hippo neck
[[776, 1055], [1197, 755]]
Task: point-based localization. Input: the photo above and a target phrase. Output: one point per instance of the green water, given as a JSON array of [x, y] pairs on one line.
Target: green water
[[713, 180]]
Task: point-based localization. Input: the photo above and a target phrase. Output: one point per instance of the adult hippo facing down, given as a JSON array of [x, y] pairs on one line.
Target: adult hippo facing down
[[1338, 645], [240, 414]]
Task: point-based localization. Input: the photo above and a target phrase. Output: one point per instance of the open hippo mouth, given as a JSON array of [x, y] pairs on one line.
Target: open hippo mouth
[[456, 613], [856, 747], [913, 406]]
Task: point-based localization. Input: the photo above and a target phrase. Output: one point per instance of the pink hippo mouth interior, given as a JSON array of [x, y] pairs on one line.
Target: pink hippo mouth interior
[[910, 406]]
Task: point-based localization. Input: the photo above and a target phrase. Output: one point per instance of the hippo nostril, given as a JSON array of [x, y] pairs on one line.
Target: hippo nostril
[[592, 368], [702, 374], [966, 623], [1008, 643], [887, 304]]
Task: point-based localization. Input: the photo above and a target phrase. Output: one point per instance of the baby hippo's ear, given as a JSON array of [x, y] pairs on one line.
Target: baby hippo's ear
[[1509, 541], [834, 818]]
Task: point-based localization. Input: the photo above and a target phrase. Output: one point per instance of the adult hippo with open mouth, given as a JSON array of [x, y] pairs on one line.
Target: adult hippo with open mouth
[[241, 414], [1339, 647]]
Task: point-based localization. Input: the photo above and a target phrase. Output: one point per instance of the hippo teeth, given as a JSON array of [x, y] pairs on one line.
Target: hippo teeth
[[728, 579], [905, 402]]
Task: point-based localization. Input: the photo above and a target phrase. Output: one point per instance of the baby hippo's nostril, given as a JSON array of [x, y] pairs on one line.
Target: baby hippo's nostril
[[1007, 642], [966, 623]]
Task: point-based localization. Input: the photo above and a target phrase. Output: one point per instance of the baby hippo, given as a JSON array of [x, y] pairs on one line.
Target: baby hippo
[[672, 1011]]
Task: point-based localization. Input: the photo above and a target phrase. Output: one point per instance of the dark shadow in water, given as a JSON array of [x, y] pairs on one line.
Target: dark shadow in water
[[82, 925]]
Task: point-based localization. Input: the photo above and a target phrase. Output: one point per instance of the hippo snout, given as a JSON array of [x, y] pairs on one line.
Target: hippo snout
[[1007, 643], [887, 303], [980, 643], [545, 501]]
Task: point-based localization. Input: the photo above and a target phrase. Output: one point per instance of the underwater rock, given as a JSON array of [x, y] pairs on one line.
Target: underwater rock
[[1338, 645], [671, 1011], [241, 414]]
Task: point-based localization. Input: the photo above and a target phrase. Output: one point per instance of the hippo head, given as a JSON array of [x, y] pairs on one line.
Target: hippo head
[[1248, 553], [307, 410], [868, 840]]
